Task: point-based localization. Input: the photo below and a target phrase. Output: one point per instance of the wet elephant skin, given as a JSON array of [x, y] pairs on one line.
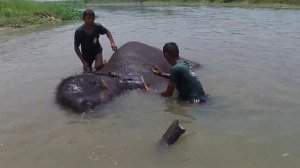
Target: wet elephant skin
[[84, 91], [132, 60]]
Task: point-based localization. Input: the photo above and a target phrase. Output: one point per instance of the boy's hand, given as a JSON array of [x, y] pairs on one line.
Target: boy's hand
[[150, 90], [86, 67], [156, 71], [114, 47]]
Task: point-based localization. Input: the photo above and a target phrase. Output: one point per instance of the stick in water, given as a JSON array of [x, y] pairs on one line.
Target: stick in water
[[146, 87], [173, 133]]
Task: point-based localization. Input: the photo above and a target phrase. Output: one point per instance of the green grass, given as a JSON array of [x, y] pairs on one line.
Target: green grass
[[18, 13]]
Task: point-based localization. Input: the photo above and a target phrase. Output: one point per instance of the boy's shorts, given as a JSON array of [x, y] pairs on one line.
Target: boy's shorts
[[90, 57]]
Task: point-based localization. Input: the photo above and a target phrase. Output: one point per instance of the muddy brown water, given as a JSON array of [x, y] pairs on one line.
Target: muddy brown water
[[251, 70]]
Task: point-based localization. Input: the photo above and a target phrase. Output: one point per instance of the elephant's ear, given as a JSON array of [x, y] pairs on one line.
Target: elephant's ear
[[194, 64]]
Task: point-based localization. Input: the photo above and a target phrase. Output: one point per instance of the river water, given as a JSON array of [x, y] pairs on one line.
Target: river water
[[250, 68]]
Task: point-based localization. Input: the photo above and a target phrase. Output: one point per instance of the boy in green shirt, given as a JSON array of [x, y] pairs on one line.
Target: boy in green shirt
[[181, 76]]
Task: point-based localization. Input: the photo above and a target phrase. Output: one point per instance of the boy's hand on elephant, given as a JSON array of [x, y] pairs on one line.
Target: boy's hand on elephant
[[156, 71], [86, 67], [114, 47]]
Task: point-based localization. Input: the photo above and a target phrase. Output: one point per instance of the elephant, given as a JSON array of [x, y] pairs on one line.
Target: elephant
[[128, 68]]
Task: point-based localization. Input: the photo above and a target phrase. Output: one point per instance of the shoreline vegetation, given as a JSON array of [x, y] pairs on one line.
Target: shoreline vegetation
[[20, 13]]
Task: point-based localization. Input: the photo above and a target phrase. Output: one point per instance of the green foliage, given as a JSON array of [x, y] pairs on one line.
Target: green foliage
[[18, 13]]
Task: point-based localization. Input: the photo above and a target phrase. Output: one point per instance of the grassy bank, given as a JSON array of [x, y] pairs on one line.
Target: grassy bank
[[19, 13]]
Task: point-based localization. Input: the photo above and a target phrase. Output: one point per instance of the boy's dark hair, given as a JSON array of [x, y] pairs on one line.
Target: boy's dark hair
[[172, 48], [88, 12]]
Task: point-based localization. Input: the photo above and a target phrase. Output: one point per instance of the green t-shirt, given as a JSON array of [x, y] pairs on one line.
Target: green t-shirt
[[187, 84]]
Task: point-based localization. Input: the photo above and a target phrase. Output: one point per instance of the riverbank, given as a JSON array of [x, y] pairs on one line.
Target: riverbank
[[21, 13]]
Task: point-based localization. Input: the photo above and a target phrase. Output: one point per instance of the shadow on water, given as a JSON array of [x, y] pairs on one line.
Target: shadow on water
[[178, 108]]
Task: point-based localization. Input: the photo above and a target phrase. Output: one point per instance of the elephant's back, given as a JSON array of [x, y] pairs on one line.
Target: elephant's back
[[136, 53], [137, 59]]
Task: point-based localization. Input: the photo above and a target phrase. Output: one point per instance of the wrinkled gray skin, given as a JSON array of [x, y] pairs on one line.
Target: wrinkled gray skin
[[132, 60]]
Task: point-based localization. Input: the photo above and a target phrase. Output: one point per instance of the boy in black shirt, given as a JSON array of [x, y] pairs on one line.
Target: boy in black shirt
[[87, 36]]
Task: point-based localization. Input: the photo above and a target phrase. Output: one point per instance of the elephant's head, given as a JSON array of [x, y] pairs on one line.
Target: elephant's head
[[85, 91]]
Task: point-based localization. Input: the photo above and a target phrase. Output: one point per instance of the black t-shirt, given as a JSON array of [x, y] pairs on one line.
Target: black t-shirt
[[89, 43]]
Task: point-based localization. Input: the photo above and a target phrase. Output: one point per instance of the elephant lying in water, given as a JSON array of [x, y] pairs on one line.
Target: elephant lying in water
[[128, 68]]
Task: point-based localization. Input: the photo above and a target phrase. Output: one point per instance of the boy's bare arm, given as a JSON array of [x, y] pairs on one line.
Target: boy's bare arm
[[165, 75], [112, 42], [158, 72], [78, 52], [169, 91], [84, 63]]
